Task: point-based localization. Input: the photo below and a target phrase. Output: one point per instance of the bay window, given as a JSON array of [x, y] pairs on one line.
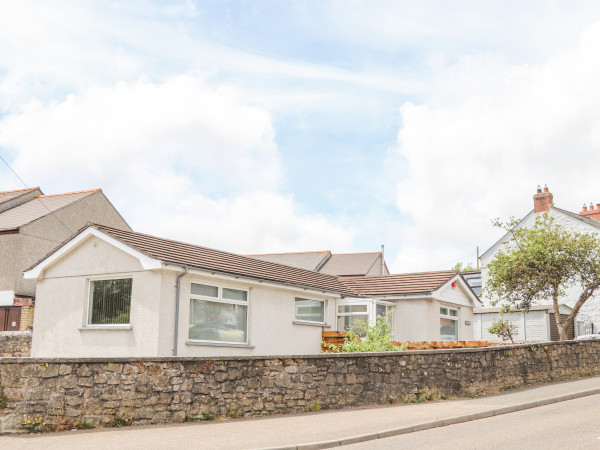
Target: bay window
[[361, 314]]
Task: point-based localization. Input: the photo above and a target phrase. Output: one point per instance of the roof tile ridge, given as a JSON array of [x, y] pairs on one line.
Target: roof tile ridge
[[390, 275], [356, 253], [287, 253], [69, 193], [21, 190], [252, 260]]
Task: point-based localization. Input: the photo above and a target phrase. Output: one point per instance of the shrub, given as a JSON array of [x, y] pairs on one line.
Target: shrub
[[503, 329], [376, 338]]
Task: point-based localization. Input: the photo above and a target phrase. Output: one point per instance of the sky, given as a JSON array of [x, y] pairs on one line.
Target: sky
[[270, 126]]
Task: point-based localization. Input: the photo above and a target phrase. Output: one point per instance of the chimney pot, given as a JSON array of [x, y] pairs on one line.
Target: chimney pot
[[539, 189], [545, 188], [584, 207], [591, 206]]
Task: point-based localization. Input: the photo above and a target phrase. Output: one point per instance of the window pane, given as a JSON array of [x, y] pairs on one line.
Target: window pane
[[345, 322], [448, 330], [381, 310], [204, 289], [444, 311], [352, 308], [310, 310], [110, 302], [213, 321], [235, 294], [454, 312]]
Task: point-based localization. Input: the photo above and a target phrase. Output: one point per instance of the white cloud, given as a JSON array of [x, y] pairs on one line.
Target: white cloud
[[487, 136], [177, 158]]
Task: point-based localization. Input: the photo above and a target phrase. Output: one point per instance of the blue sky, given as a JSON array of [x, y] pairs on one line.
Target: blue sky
[[265, 126]]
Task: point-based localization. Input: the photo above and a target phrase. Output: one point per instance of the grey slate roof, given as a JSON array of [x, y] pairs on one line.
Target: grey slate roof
[[10, 195], [326, 262], [350, 263], [303, 260], [584, 219], [37, 207]]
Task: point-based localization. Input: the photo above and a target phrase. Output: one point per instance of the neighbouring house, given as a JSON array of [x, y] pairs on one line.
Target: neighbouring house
[[537, 324], [31, 225], [345, 264], [587, 221], [473, 278], [113, 292]]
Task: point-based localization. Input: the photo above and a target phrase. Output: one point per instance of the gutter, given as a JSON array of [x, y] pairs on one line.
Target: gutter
[[266, 280], [177, 292]]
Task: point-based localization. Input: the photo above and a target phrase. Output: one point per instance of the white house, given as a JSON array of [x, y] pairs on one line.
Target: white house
[[111, 292], [587, 221], [537, 324]]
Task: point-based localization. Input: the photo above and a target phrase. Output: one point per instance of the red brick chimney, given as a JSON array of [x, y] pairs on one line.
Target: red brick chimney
[[593, 213], [542, 200]]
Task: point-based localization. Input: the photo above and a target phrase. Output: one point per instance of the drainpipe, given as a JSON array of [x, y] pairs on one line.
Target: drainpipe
[[179, 277]]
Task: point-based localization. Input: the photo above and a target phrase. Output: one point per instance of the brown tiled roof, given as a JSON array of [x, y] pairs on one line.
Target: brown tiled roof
[[204, 258], [405, 283], [38, 207]]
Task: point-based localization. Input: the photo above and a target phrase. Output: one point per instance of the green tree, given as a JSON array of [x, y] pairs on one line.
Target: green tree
[[463, 267], [542, 262]]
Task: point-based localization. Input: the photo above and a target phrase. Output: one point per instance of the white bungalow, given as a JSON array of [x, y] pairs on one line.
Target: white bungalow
[[110, 292]]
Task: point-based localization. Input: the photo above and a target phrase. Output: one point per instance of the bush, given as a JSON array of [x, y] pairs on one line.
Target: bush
[[503, 329], [377, 338]]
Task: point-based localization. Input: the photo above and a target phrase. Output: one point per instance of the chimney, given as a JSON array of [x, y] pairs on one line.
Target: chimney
[[542, 200], [590, 211]]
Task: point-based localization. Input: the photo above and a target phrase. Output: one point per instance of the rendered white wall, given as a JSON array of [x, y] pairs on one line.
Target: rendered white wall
[[592, 307]]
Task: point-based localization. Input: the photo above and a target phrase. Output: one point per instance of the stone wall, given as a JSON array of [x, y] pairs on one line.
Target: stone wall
[[15, 344], [64, 392]]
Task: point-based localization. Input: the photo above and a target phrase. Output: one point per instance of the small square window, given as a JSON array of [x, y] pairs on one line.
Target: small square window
[[110, 302]]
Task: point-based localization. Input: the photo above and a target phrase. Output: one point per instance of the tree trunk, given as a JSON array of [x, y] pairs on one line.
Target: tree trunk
[[562, 328], [563, 334]]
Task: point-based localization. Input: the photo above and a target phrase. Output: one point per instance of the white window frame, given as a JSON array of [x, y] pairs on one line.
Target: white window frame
[[220, 299], [371, 312], [311, 322], [88, 304], [454, 318]]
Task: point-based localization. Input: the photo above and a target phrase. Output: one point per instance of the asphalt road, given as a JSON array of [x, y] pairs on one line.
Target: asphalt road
[[574, 424]]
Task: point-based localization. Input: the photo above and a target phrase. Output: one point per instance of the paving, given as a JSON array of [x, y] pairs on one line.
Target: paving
[[311, 430]]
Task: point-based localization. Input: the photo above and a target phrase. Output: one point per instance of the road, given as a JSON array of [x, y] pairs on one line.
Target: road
[[573, 424]]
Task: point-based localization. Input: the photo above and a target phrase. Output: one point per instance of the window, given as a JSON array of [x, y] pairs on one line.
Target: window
[[352, 316], [310, 310], [110, 302], [384, 310], [218, 314], [448, 324]]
